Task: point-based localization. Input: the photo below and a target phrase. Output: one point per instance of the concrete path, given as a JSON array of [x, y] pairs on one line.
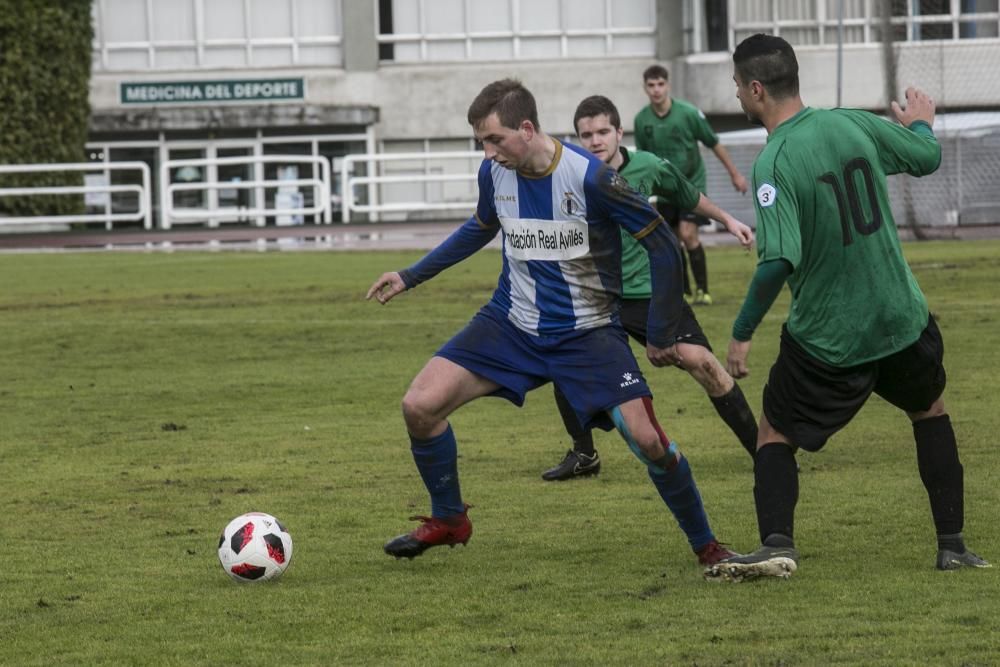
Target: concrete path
[[378, 236]]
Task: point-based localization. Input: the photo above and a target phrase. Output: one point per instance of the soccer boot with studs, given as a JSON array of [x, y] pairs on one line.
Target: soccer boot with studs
[[702, 298], [714, 552], [432, 532], [777, 557], [949, 560], [574, 464]]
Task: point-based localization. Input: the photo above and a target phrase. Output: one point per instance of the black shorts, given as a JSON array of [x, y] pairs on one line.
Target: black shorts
[[634, 314], [808, 401], [674, 215]]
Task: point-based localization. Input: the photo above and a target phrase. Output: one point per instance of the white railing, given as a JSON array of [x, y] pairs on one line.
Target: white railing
[[142, 192], [348, 182], [213, 214]]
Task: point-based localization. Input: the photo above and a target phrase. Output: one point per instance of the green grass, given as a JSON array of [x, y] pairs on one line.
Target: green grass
[[149, 398]]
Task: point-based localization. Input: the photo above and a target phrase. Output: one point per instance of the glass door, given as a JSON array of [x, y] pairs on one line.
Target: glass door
[[239, 199]]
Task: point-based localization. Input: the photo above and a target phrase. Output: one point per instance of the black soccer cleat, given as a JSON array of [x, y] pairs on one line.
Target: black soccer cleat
[[949, 560], [575, 464]]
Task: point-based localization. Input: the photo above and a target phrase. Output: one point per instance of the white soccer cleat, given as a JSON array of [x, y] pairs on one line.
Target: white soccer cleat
[[735, 572]]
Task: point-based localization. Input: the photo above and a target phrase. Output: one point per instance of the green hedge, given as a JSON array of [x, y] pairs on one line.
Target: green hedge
[[44, 97]]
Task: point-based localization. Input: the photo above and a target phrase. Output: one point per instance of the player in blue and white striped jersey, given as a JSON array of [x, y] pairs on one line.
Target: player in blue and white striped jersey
[[553, 316]]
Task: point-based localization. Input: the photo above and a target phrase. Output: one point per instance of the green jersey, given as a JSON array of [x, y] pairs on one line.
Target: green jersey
[[822, 204], [651, 176], [675, 137]]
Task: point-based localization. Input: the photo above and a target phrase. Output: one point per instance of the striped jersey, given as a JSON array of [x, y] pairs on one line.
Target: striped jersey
[[562, 246], [561, 240]]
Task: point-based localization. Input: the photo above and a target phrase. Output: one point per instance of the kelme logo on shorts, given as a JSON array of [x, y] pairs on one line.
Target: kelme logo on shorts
[[766, 194], [629, 380]]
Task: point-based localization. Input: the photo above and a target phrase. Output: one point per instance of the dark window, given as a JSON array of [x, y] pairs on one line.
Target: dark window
[[385, 51], [717, 23]]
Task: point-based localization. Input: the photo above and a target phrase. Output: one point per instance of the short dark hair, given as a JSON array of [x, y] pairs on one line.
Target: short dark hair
[[595, 105], [770, 60], [655, 72], [509, 100]]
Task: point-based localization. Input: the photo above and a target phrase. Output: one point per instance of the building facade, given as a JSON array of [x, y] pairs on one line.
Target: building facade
[[219, 80]]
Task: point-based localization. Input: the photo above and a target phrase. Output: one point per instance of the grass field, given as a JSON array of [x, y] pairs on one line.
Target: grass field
[[149, 398]]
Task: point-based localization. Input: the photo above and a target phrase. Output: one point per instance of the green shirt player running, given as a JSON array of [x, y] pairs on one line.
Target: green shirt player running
[[598, 126], [858, 321], [672, 128]]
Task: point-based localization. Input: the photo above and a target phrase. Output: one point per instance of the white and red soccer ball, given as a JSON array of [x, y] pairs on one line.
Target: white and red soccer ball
[[255, 547]]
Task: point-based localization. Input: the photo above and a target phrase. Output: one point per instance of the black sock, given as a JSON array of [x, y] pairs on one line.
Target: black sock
[[776, 489], [735, 411], [583, 441], [684, 268], [941, 473], [954, 543], [699, 267]]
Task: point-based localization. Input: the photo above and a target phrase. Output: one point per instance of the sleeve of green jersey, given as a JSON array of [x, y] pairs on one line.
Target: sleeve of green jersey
[[640, 141], [671, 185], [767, 282], [913, 150], [778, 233], [703, 131]]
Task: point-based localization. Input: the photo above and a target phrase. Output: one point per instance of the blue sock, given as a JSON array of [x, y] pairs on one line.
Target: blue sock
[[678, 490], [437, 461]]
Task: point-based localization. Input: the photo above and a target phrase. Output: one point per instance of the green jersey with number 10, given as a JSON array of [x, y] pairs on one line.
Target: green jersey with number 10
[[822, 204]]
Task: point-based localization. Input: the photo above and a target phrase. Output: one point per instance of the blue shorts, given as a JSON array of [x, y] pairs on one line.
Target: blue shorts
[[594, 368]]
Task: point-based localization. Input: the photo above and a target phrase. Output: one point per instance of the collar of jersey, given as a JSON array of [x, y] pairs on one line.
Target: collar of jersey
[[672, 101], [552, 167], [625, 158], [790, 122]]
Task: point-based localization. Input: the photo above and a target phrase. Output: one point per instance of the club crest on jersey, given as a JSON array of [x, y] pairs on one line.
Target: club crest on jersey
[[571, 206], [620, 186], [766, 195]]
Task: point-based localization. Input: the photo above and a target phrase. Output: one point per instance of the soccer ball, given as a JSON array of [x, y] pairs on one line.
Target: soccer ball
[[255, 547]]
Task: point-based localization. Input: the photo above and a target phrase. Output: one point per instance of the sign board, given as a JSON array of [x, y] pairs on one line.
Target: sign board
[[95, 199], [211, 92]]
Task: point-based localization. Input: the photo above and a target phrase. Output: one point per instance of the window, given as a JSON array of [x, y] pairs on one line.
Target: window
[[137, 35], [817, 21], [481, 30]]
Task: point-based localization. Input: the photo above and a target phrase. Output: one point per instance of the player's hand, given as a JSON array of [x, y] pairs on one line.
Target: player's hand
[[663, 356], [387, 286], [740, 183], [741, 231], [919, 106], [736, 360]]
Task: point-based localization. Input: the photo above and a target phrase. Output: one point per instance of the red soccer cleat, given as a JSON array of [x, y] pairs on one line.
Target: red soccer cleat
[[432, 532], [713, 553]]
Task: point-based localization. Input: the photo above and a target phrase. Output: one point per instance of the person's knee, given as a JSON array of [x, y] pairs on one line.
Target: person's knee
[[702, 365], [936, 410], [689, 235], [418, 413], [641, 435], [649, 443]]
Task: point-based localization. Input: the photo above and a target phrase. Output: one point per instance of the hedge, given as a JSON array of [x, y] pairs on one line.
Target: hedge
[[45, 51]]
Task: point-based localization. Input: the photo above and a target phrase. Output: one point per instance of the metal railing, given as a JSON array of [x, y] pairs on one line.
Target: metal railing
[[108, 217], [348, 182], [214, 214]]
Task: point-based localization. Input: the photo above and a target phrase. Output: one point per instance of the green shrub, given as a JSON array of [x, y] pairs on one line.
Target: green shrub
[[44, 89]]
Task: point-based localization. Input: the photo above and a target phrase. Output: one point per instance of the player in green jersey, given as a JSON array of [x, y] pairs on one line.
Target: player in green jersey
[[672, 129], [598, 126], [858, 322]]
